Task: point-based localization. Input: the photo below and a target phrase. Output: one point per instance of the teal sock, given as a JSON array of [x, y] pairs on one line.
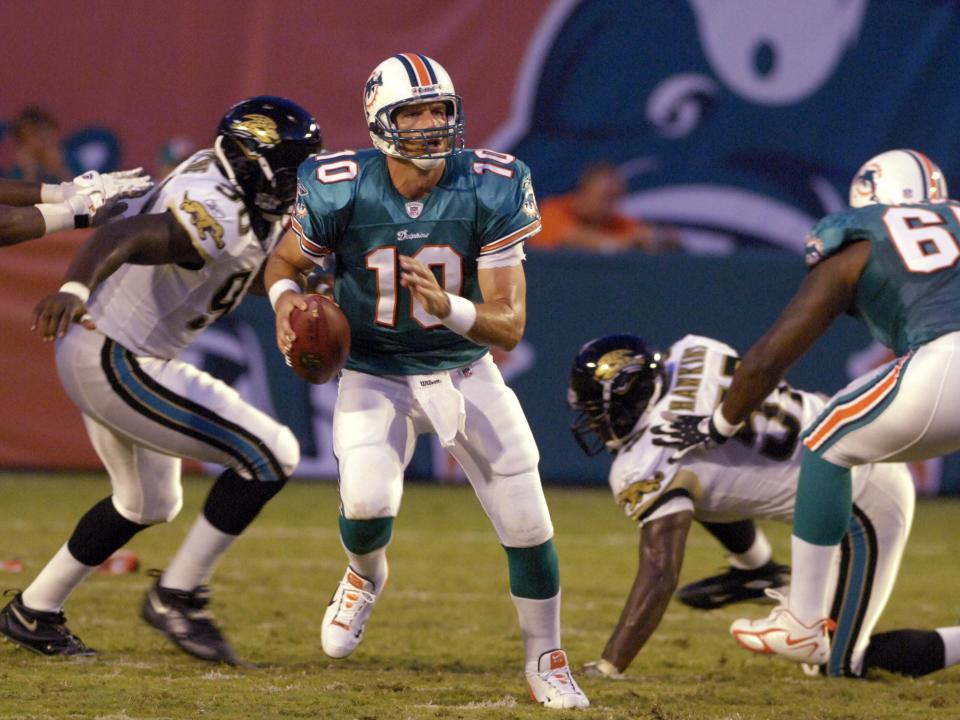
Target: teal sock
[[534, 571], [824, 501], [364, 536]]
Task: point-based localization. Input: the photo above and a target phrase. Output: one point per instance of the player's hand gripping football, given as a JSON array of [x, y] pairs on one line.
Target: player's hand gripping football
[[285, 334], [52, 315], [424, 287], [687, 433]]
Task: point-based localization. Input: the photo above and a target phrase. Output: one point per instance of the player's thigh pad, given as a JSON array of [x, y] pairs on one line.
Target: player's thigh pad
[[906, 411], [172, 407], [373, 439], [500, 457], [146, 484]]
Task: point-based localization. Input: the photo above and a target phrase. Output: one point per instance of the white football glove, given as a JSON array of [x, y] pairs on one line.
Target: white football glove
[[95, 189], [602, 669]]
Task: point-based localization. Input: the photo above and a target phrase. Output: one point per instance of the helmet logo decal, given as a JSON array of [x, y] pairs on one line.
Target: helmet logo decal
[[867, 181], [201, 218], [372, 87], [261, 128], [612, 363]]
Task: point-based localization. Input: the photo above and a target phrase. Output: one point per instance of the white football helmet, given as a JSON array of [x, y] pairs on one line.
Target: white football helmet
[[409, 79], [898, 177]]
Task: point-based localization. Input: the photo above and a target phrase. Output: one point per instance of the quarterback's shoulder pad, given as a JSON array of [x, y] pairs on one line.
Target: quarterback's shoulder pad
[[506, 204], [328, 182], [834, 232], [208, 208]]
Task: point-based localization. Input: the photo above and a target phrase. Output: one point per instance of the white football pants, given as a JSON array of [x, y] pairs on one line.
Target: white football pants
[[377, 420], [144, 413]]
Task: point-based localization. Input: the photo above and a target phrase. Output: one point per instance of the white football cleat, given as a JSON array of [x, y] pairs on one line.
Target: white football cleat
[[781, 633], [553, 685], [347, 613]]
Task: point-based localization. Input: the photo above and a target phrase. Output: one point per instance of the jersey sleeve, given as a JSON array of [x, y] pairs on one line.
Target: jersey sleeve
[[835, 232], [643, 482], [209, 211], [510, 214], [326, 186]]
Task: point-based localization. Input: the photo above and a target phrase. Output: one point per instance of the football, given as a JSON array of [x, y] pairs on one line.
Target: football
[[323, 340]]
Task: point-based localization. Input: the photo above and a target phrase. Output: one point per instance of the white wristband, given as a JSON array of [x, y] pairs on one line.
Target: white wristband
[[280, 287], [78, 289], [463, 314], [51, 193], [724, 427], [57, 216]]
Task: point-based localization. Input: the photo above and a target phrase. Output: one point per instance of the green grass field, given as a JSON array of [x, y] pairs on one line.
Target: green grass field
[[443, 641]]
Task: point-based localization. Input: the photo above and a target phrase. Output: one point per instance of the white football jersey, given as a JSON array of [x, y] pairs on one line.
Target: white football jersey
[[159, 309], [752, 475]]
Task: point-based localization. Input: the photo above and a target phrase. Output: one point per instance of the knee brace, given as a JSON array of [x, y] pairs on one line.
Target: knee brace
[[371, 482], [518, 510], [149, 506]]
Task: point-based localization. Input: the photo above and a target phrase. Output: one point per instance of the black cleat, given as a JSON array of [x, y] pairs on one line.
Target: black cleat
[[182, 616], [42, 632], [734, 586]]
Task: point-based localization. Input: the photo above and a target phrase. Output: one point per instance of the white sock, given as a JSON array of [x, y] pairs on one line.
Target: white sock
[[808, 579], [758, 554], [539, 626], [951, 645], [198, 555], [49, 591], [372, 565]]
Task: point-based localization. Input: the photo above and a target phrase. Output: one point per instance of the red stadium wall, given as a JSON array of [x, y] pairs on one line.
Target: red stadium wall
[[151, 70]]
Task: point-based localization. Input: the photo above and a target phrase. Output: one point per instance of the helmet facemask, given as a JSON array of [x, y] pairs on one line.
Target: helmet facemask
[[613, 382], [447, 139]]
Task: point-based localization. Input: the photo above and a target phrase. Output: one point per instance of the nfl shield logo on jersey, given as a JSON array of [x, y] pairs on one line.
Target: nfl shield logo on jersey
[[414, 209]]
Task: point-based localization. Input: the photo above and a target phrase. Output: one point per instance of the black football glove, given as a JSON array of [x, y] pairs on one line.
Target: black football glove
[[687, 433]]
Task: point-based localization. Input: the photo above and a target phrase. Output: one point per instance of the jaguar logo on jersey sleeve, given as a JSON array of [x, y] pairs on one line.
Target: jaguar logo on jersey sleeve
[[201, 218], [259, 127]]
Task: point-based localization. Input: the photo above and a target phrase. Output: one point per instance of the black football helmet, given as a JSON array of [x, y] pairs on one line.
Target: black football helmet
[[260, 142], [613, 380]]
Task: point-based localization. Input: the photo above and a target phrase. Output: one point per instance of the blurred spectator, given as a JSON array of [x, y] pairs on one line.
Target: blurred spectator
[[173, 152], [589, 218], [38, 153]]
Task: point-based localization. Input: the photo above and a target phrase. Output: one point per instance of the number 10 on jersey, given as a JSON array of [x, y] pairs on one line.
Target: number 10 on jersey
[[383, 263]]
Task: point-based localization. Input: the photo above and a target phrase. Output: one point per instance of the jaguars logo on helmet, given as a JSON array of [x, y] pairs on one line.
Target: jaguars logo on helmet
[[260, 143], [613, 380]]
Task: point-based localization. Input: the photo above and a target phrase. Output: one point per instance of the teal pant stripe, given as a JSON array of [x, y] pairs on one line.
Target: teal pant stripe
[[858, 566], [145, 395], [534, 571], [364, 536], [824, 501]]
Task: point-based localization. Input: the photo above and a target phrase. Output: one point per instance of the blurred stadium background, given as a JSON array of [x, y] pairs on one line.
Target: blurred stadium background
[[739, 123]]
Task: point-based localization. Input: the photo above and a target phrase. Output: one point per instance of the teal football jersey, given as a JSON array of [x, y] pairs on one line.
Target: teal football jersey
[[909, 292], [347, 205]]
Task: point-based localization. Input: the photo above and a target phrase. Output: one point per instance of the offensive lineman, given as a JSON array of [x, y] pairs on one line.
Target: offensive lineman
[[154, 281], [892, 261], [623, 390], [416, 209]]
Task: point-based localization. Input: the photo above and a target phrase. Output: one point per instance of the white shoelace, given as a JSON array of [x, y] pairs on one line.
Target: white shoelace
[[349, 608]]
